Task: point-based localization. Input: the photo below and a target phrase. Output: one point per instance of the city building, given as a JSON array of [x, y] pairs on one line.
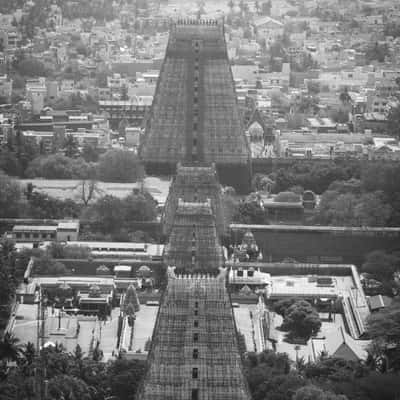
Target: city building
[[61, 231]]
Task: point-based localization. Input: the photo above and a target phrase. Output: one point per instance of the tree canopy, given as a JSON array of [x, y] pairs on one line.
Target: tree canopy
[[58, 166], [301, 320], [383, 328], [10, 196], [120, 166]]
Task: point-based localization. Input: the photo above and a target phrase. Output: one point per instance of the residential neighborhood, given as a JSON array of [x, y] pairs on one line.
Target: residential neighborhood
[[325, 81]]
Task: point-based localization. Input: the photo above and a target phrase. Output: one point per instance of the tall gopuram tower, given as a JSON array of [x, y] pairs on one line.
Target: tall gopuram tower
[[194, 116], [193, 244], [194, 353]]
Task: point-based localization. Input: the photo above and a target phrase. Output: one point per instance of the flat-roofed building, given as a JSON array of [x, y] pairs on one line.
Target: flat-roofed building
[[34, 233], [59, 231]]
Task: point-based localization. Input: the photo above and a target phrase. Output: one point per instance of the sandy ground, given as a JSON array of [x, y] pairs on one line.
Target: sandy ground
[[71, 188]]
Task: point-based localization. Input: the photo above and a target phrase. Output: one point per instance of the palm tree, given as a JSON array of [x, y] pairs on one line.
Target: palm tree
[[10, 348], [25, 363], [29, 353], [78, 353]]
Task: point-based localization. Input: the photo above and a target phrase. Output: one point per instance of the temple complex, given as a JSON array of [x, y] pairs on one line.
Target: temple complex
[[195, 122]]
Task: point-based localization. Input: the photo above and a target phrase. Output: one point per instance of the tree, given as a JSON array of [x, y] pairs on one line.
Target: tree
[[65, 387], [71, 146], [74, 376], [230, 207], [277, 386], [281, 306], [312, 392], [60, 251], [269, 376], [107, 212], [250, 212], [381, 265], [88, 190], [353, 186], [372, 210], [90, 153], [10, 197], [301, 320], [331, 369], [337, 209], [383, 328], [31, 67], [8, 281], [377, 386], [29, 353], [124, 377], [394, 121], [10, 348], [58, 166], [140, 206], [40, 205], [261, 182], [46, 265], [119, 166]]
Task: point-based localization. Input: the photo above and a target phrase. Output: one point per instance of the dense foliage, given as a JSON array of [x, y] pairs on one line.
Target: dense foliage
[[351, 193], [70, 375], [111, 214], [108, 212], [272, 376], [119, 166], [300, 319]]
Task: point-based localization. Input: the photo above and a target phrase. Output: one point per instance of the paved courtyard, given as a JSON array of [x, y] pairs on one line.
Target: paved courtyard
[[64, 329], [143, 328]]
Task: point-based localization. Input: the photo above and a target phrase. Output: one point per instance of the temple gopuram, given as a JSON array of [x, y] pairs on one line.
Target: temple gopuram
[[195, 117], [195, 184], [195, 128], [194, 353]]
